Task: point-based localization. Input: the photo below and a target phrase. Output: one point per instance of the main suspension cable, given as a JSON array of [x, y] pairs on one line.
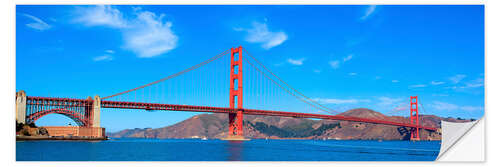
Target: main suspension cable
[[171, 76], [284, 87], [295, 90]]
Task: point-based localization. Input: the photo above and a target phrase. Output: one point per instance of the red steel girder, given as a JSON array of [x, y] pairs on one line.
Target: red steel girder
[[191, 108]]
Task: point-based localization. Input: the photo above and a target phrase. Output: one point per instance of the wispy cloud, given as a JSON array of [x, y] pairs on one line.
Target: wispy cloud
[[436, 82], [297, 62], [390, 104], [443, 106], [387, 101], [472, 108], [417, 86], [457, 78], [378, 77], [260, 33], [103, 58], [475, 83], [339, 101], [349, 57], [353, 73], [401, 107], [368, 12], [334, 64], [38, 23], [317, 71], [469, 84], [101, 15], [145, 34], [395, 81], [106, 57]]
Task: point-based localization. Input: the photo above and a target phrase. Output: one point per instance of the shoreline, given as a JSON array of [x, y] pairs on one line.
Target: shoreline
[[74, 138], [116, 138]]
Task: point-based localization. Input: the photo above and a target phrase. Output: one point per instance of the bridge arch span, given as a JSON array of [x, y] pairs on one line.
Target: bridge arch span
[[73, 115]]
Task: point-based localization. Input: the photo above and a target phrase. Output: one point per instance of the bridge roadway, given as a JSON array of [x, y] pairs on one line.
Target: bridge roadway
[[175, 107], [51, 103]]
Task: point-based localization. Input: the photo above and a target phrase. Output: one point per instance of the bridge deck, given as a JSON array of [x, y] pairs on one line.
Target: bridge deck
[[70, 103], [174, 107]]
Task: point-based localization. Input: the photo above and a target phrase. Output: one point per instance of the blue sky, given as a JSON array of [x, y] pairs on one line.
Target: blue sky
[[342, 56]]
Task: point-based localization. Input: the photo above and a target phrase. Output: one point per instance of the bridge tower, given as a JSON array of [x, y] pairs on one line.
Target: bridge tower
[[96, 112], [414, 117], [21, 107], [236, 76]]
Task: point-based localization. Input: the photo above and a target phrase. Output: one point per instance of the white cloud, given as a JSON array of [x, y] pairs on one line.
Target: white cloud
[[475, 83], [369, 11], [317, 71], [443, 106], [387, 101], [468, 85], [101, 15], [38, 24], [472, 108], [417, 86], [297, 62], [260, 33], [339, 101], [378, 77], [395, 81], [334, 64], [353, 73], [149, 36], [349, 57], [103, 58], [145, 34], [457, 78], [436, 82]]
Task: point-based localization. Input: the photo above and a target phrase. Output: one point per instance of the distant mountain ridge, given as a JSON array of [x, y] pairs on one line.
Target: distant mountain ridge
[[216, 126]]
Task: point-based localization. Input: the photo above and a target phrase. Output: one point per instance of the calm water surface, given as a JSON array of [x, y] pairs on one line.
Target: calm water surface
[[219, 150]]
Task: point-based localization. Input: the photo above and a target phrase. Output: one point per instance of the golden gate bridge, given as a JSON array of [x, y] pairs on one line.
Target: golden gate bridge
[[204, 87]]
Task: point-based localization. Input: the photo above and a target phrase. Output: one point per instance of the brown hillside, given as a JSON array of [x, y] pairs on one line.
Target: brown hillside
[[215, 126]]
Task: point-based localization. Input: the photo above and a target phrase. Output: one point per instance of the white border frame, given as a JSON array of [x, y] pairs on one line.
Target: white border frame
[[8, 85]]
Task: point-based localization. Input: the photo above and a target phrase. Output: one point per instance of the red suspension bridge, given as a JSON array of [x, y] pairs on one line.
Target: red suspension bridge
[[206, 90]]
